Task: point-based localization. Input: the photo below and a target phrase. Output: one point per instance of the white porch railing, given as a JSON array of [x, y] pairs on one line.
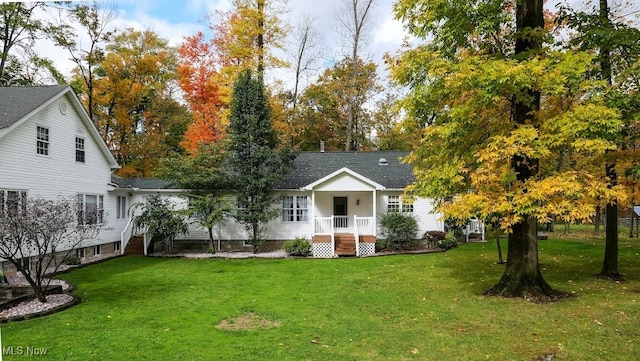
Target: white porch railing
[[474, 226], [324, 226], [341, 221], [125, 235], [364, 225]]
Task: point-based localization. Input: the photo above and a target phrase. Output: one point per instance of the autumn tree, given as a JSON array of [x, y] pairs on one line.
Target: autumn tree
[[324, 107], [307, 48], [197, 77], [136, 111], [247, 38], [94, 21], [390, 131], [496, 107], [255, 162], [618, 50], [355, 22], [44, 232]]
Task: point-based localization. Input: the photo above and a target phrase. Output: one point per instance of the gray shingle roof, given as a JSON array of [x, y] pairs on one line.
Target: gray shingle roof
[[309, 167], [312, 166], [141, 183], [16, 102]]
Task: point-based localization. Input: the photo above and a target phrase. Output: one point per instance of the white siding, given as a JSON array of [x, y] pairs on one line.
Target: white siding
[[423, 211], [57, 174]]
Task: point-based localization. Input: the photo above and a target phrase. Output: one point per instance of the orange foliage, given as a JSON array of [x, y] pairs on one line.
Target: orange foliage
[[198, 80]]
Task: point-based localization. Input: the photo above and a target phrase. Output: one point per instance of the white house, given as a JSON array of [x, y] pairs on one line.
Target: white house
[[49, 147], [333, 199]]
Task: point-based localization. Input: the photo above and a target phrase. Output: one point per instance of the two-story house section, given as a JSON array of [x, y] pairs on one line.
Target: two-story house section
[[49, 148]]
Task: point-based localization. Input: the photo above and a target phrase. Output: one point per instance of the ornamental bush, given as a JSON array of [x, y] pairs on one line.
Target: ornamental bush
[[398, 230], [449, 241], [298, 247]]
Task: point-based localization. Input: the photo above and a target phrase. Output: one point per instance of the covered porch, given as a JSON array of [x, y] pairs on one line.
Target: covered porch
[[344, 206]]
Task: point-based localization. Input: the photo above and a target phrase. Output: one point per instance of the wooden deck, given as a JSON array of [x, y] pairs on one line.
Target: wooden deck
[[345, 243]]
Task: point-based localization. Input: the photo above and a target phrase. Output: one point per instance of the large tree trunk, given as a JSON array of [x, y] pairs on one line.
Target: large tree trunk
[[522, 277], [610, 264]]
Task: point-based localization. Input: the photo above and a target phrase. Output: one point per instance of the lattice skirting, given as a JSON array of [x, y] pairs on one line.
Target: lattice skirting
[[367, 249], [322, 250]]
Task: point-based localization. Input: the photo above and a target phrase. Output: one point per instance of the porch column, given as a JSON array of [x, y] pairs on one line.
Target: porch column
[[313, 213], [375, 212]]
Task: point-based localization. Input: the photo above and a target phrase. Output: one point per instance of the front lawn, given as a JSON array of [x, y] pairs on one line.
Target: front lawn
[[405, 307]]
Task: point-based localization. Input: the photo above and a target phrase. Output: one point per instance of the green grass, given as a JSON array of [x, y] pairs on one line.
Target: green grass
[[406, 307]]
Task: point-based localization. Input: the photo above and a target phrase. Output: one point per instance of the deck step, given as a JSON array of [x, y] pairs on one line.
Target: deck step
[[345, 245], [135, 247]]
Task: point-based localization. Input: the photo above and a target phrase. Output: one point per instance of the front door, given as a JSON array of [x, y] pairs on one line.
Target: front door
[[340, 212]]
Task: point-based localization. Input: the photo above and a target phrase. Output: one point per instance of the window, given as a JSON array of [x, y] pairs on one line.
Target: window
[[42, 142], [90, 209], [11, 201], [97, 250], [395, 204], [80, 253], [116, 246], [295, 209], [121, 210], [79, 150]]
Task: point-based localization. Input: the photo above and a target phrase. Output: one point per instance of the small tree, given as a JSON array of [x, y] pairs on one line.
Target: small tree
[[161, 221], [39, 235], [398, 229], [208, 210]]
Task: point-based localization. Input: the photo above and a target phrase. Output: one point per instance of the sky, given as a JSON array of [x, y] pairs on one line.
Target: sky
[[175, 19]]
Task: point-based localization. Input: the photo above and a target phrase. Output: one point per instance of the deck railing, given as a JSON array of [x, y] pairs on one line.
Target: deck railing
[[324, 226], [125, 235], [365, 225], [341, 222]]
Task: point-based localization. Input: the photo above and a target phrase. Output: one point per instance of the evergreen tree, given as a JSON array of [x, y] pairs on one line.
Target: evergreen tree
[[256, 163]]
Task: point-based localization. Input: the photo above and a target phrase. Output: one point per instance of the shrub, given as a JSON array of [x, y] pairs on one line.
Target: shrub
[[398, 230], [449, 241], [434, 236], [298, 247]]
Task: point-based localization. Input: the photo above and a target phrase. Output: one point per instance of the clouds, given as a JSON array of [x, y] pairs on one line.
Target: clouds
[[173, 20]]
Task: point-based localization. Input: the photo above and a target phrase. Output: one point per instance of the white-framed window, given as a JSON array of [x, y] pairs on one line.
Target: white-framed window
[[42, 141], [12, 201], [90, 208], [80, 156], [116, 246], [396, 204], [295, 209], [97, 250], [121, 207], [80, 253]]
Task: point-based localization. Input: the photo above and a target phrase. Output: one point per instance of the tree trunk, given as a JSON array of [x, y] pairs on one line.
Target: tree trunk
[[522, 277], [598, 220], [631, 223], [211, 243], [500, 260], [610, 263]]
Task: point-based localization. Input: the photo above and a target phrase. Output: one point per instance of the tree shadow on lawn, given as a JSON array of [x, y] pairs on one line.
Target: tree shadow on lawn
[[563, 266]]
